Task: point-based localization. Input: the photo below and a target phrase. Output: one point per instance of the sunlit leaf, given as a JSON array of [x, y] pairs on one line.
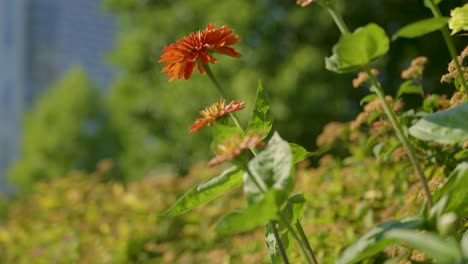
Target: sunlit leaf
[[446, 127], [409, 87], [254, 215], [442, 250], [206, 191], [421, 27], [271, 169], [261, 119], [357, 49], [299, 153], [375, 240]]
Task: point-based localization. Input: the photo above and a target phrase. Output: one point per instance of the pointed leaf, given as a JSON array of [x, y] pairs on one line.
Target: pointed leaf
[[443, 250], [299, 153], [446, 127], [251, 217], [421, 28], [271, 169], [357, 49], [272, 244], [293, 211], [375, 240], [222, 132], [206, 191], [261, 119], [454, 191], [409, 87]]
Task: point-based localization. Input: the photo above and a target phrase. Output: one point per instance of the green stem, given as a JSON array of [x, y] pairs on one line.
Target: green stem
[[305, 240], [284, 257], [309, 255], [338, 20], [221, 92], [390, 114], [234, 117], [450, 45], [400, 135]]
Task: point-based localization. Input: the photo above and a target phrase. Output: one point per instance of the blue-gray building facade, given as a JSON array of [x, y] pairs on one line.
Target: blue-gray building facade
[[40, 40]]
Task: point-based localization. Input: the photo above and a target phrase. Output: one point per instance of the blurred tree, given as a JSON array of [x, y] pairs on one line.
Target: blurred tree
[[283, 45], [65, 130]]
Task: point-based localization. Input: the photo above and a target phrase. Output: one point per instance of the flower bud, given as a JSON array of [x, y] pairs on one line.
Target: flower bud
[[446, 224], [459, 19]]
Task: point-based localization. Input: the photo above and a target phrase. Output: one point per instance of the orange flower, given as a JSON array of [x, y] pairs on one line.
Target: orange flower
[[235, 146], [215, 111], [197, 48]]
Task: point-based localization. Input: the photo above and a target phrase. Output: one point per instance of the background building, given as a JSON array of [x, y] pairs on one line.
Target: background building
[[39, 41]]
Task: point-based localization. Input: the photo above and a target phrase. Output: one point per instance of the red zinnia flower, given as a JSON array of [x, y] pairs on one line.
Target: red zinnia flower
[[197, 48], [215, 111], [234, 147]]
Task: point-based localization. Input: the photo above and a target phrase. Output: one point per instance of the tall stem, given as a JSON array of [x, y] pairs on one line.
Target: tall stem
[[307, 253], [450, 45], [234, 117], [305, 240], [390, 114], [400, 135]]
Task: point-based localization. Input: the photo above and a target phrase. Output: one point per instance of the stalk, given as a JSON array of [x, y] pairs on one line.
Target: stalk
[[389, 112], [304, 243], [450, 45]]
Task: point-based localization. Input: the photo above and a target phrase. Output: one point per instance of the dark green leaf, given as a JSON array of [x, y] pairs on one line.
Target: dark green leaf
[[375, 240], [446, 127], [357, 49], [421, 27], [261, 120], [206, 191], [251, 217], [271, 169], [443, 250], [409, 87]]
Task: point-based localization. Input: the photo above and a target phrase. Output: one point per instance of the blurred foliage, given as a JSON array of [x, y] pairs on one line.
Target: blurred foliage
[[66, 129], [81, 219], [283, 45]]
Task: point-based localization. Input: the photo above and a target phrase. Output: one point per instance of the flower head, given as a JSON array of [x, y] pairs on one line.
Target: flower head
[[197, 49], [459, 19], [215, 111], [234, 147]]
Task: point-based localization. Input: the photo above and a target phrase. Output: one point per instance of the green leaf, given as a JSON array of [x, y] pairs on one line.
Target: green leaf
[[446, 127], [422, 27], [299, 153], [272, 244], [357, 49], [222, 132], [409, 87], [453, 197], [375, 240], [443, 250], [206, 191], [261, 120], [367, 98], [271, 169], [292, 212], [251, 217]]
